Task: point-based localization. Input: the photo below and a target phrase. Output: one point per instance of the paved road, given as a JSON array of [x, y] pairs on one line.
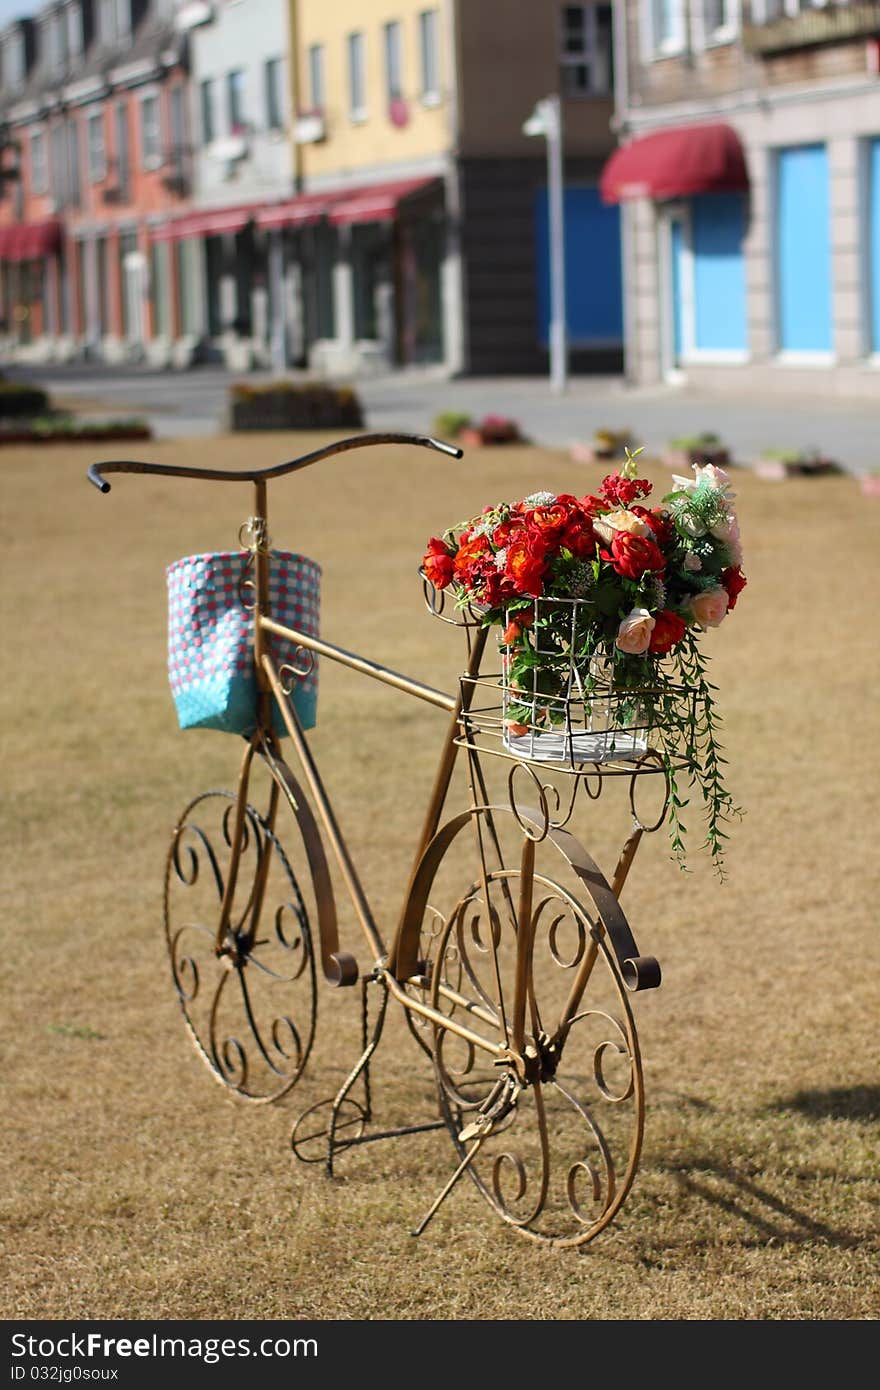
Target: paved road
[[193, 402]]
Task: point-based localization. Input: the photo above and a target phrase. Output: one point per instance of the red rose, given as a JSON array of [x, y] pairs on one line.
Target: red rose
[[668, 631], [579, 536], [438, 563], [548, 521], [526, 564], [469, 555], [662, 527], [734, 582], [632, 555]]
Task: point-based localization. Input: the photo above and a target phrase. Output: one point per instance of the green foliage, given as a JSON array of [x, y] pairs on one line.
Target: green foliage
[[448, 424], [696, 443]]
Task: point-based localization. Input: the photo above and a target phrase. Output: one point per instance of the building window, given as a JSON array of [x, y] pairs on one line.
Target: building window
[[54, 34], [586, 50], [235, 100], [97, 151], [107, 22], [178, 122], [429, 56], [73, 162], [151, 133], [274, 99], [123, 18], [123, 162], [393, 61], [13, 61], [74, 23], [720, 20], [316, 76], [665, 23], [206, 110], [39, 163], [59, 164], [357, 109]]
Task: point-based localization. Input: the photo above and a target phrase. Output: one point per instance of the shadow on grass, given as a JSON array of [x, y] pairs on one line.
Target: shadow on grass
[[773, 1220], [842, 1103]]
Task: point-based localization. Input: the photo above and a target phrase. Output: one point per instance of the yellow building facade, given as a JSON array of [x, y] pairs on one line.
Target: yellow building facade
[[409, 120]]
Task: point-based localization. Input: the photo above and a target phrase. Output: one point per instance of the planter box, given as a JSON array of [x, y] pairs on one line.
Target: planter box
[[686, 458], [470, 438], [775, 470], [294, 408]]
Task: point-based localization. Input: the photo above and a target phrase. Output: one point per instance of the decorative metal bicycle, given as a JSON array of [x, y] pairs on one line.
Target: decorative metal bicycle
[[511, 958]]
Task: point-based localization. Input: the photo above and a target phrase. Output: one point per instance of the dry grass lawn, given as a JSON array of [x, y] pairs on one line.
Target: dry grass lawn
[[135, 1187]]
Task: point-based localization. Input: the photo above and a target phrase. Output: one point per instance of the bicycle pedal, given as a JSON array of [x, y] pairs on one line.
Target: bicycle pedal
[[480, 1128]]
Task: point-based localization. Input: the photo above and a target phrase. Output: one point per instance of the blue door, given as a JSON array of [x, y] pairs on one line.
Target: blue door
[[803, 250], [593, 278], [676, 281], [874, 243], [718, 225]]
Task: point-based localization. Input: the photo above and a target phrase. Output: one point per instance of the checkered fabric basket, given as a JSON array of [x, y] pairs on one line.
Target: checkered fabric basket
[[210, 640]]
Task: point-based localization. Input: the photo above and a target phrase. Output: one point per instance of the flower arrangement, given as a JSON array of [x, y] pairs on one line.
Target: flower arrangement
[[604, 593]]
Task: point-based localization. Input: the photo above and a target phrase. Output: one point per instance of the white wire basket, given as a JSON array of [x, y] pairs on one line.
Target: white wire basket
[[573, 706]]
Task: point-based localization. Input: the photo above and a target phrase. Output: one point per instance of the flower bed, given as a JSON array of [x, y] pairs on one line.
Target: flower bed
[[284, 405], [690, 449], [70, 430], [601, 602], [472, 434], [778, 464]]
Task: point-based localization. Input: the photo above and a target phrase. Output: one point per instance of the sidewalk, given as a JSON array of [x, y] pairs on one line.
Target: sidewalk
[[193, 403]]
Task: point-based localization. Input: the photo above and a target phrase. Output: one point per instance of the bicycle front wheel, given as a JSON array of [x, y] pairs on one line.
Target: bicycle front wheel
[[249, 999], [558, 1118]]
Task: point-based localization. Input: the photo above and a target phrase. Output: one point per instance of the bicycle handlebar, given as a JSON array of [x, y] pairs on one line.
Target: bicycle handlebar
[[97, 470]]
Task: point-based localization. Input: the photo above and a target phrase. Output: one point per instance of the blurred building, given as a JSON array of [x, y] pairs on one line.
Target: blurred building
[[93, 118], [338, 185], [749, 175], [434, 243]]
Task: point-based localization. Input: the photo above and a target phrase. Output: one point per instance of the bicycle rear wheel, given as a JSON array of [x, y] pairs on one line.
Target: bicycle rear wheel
[[250, 1000]]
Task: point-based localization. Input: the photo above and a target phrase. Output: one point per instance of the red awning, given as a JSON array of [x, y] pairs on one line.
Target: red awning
[[30, 241], [296, 212], [207, 222], [675, 164], [374, 203]]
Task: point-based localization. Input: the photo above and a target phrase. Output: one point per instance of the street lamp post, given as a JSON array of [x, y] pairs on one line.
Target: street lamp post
[[546, 120]]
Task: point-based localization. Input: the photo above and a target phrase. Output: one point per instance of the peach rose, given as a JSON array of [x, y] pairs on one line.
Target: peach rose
[[710, 607], [620, 520], [634, 633]]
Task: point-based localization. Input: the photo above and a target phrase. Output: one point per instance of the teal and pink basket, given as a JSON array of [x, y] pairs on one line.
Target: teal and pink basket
[[210, 637]]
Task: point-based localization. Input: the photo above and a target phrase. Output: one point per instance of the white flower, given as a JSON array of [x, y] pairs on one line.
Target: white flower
[[690, 524], [727, 531], [713, 477], [501, 558], [540, 499], [620, 520], [684, 484], [692, 562], [705, 475]]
